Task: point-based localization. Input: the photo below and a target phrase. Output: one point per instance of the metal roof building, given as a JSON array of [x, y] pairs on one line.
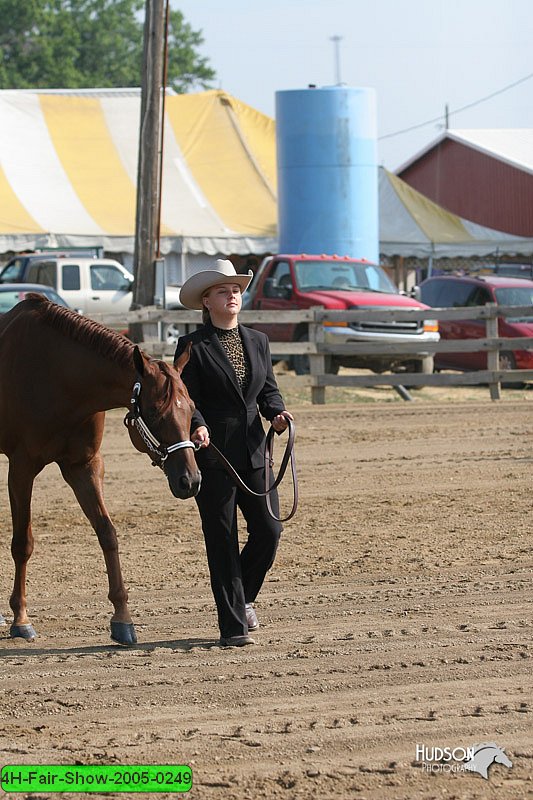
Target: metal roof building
[[483, 175]]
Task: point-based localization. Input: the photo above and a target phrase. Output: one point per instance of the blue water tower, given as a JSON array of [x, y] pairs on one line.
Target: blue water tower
[[327, 171]]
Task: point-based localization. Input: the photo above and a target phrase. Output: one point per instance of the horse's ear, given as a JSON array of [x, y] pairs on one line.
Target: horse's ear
[[138, 360], [180, 362]]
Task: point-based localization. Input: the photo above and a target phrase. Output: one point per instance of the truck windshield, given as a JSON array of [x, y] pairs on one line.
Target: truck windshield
[[342, 275], [13, 271]]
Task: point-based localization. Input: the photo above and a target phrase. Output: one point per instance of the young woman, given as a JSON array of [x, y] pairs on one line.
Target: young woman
[[229, 377]]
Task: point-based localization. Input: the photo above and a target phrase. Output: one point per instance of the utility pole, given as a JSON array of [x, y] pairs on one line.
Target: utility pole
[[336, 40], [148, 188]]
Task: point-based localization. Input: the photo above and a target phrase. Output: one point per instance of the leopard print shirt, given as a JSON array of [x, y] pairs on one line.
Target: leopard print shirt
[[232, 344]]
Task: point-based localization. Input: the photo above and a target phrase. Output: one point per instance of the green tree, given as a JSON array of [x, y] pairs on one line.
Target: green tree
[[70, 44], [185, 67]]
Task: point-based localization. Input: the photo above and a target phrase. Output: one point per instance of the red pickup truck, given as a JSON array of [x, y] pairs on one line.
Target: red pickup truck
[[300, 281]]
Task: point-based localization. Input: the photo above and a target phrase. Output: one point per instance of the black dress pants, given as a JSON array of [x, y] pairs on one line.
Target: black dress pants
[[236, 576]]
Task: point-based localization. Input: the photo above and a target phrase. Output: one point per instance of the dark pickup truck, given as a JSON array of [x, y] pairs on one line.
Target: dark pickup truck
[[287, 282]]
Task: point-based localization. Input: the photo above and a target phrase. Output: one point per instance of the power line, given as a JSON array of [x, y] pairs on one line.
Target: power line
[[457, 110]]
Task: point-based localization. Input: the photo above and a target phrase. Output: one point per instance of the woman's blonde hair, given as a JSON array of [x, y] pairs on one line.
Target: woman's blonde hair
[[206, 316]]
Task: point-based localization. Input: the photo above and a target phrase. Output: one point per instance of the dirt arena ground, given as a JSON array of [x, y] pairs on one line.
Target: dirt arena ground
[[397, 614]]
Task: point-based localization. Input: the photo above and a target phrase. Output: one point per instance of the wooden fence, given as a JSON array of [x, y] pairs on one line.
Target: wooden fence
[[155, 320]]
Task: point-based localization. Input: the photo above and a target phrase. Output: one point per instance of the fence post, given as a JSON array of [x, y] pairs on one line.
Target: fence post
[[151, 331], [493, 355], [317, 363]]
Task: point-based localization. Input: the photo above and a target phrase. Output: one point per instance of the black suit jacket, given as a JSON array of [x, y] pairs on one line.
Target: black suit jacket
[[232, 418]]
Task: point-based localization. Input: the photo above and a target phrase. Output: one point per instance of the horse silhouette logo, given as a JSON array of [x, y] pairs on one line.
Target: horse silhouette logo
[[484, 756]]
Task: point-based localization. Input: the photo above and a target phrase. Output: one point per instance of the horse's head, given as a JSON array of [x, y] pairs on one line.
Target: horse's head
[[484, 756], [160, 419], [502, 758]]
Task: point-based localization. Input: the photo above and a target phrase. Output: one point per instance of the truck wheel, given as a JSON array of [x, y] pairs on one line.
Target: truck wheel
[[508, 361], [425, 365], [300, 363], [171, 333]]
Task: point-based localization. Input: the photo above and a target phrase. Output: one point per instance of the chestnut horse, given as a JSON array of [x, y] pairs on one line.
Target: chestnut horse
[[59, 373]]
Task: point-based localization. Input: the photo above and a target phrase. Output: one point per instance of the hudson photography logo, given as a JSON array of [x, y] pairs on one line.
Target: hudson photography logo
[[475, 759]]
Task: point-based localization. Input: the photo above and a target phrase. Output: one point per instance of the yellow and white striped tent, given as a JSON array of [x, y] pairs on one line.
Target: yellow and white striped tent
[[68, 172], [68, 175]]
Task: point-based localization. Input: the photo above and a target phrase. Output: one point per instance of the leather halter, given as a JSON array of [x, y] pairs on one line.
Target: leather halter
[[158, 451]]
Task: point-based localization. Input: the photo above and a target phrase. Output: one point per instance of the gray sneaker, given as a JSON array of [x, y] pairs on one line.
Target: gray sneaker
[[251, 617], [235, 641]]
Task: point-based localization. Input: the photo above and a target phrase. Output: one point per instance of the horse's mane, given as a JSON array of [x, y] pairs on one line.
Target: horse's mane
[[102, 340], [105, 342]]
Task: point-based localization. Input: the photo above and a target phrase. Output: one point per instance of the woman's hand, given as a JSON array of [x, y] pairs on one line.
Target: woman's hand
[[279, 423], [200, 437]]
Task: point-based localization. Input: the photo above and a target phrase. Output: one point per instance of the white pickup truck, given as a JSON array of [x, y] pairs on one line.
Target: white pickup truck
[[89, 285]]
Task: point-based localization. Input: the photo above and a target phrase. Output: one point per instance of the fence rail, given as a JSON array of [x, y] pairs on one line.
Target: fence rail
[[153, 321]]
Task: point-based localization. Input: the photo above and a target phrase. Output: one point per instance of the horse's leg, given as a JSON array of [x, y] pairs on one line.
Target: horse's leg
[[86, 480], [21, 476]]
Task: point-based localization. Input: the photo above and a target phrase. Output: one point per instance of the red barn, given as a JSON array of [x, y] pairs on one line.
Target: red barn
[[482, 175]]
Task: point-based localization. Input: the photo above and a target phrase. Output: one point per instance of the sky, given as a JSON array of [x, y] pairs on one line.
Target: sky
[[418, 56]]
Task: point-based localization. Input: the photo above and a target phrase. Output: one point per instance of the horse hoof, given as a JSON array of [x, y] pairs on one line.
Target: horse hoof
[[23, 632], [123, 633]]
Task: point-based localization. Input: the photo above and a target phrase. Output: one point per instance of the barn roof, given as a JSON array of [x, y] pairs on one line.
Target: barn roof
[[513, 146]]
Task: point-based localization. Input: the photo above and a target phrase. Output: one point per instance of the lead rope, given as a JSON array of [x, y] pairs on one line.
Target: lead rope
[[288, 455]]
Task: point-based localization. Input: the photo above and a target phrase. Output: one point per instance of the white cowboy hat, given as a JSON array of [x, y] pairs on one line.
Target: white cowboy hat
[[224, 272]]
